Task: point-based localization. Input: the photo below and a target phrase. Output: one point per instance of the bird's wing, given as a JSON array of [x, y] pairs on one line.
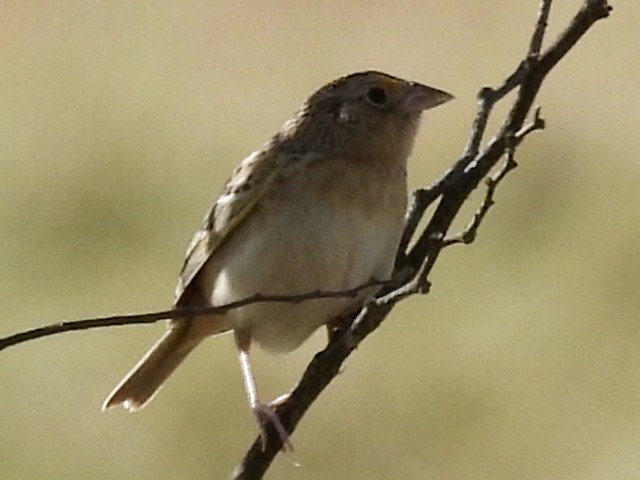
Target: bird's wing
[[242, 192]]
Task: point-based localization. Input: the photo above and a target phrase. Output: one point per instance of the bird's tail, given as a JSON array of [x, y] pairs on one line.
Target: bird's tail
[[139, 386]]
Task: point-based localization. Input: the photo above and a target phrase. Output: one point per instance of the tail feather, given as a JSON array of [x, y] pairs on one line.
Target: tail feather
[[144, 380]]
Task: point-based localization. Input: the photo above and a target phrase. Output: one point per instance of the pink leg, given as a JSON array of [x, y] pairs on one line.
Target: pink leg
[[264, 413]]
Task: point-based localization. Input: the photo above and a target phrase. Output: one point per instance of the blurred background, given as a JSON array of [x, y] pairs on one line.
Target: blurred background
[[121, 121]]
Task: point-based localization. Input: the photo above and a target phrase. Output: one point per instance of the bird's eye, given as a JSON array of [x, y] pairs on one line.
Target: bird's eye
[[377, 96]]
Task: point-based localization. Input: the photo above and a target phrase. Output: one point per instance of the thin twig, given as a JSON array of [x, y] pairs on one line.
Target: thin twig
[[420, 200], [487, 97], [153, 317], [469, 234], [535, 45]]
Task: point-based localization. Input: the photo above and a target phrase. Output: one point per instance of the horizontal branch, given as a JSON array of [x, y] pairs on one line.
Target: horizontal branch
[[176, 313]]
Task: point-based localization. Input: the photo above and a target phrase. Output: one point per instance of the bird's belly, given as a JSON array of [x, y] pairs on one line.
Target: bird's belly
[[312, 248]]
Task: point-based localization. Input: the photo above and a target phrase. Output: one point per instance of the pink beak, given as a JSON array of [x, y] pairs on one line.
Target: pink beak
[[422, 97]]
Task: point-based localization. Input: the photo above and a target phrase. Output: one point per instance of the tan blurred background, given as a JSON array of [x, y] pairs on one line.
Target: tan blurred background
[[120, 122]]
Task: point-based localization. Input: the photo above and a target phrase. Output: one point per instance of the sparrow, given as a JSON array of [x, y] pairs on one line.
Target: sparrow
[[318, 207]]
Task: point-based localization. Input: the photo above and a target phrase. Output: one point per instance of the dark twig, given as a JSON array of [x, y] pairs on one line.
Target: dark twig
[[153, 317], [487, 97], [468, 235], [423, 198], [541, 26], [420, 200]]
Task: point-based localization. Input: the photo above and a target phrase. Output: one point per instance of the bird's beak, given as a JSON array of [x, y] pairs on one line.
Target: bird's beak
[[421, 97]]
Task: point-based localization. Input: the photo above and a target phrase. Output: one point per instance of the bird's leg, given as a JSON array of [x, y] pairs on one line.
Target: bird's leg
[[264, 413]]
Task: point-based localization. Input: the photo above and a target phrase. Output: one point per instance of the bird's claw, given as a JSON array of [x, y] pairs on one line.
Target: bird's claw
[[264, 415]]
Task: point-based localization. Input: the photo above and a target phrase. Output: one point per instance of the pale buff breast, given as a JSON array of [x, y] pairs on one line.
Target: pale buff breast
[[305, 236]]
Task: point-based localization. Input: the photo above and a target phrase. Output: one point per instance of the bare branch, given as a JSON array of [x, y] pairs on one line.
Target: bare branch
[[420, 200], [153, 317], [453, 188], [488, 97], [468, 235], [541, 25]]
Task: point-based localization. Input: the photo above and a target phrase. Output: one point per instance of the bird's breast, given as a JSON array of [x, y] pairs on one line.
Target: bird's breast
[[307, 234]]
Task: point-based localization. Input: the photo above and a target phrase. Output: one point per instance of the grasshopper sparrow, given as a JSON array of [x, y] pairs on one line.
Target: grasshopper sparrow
[[320, 206]]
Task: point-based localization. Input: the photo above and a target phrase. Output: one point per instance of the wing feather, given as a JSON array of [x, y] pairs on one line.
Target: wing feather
[[242, 192]]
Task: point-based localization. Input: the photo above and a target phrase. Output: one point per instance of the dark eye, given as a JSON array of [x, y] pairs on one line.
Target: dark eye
[[376, 96]]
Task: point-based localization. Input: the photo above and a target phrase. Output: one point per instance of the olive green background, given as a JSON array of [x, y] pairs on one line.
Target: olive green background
[[120, 122]]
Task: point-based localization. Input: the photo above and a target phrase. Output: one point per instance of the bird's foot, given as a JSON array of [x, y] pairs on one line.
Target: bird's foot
[[265, 414]]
